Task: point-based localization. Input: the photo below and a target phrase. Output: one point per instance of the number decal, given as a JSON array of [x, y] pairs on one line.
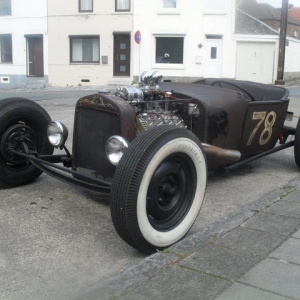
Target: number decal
[[256, 116], [267, 132], [268, 128]]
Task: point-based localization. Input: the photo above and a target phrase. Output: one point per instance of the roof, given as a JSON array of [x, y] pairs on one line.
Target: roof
[[295, 13], [259, 10], [246, 24], [263, 11]]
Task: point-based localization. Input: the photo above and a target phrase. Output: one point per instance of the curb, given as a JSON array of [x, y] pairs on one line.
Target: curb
[[147, 268]]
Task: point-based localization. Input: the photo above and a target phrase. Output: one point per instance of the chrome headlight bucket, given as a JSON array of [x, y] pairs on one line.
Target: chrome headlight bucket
[[115, 148], [57, 134]]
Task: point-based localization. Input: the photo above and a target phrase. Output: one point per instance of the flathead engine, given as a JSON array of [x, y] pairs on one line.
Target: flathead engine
[[153, 107]]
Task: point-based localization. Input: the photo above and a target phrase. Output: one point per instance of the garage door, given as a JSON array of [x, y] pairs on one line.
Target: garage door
[[255, 61]]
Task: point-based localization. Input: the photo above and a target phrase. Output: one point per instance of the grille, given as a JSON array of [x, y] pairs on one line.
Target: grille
[[92, 129]]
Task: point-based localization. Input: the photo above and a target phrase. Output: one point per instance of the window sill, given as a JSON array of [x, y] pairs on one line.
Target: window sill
[[122, 13], [168, 12], [85, 63], [169, 66]]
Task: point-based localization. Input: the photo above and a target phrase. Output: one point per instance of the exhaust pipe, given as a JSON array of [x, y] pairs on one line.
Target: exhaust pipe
[[232, 155]]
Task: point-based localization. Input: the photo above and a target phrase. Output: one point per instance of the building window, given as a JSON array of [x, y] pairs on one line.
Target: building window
[[85, 5], [122, 5], [84, 49], [213, 52], [169, 3], [5, 7], [296, 33], [215, 6], [168, 7], [5, 48], [169, 50]]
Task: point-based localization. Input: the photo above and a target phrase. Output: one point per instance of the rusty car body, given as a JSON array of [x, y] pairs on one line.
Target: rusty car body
[[149, 147]]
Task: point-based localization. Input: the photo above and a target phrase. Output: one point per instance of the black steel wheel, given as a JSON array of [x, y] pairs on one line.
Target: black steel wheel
[[23, 127], [158, 188], [297, 145]]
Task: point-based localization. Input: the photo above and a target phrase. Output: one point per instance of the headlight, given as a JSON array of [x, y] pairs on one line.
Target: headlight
[[57, 133], [115, 148]]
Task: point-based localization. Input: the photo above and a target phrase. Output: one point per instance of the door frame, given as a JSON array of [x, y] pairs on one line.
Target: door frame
[[30, 38], [126, 37]]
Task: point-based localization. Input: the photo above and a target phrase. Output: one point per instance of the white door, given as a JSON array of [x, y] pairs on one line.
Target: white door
[[255, 61], [213, 58]]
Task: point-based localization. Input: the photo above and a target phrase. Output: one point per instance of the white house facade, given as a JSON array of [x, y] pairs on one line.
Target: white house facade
[[113, 42], [23, 43], [90, 42], [292, 59], [185, 40]]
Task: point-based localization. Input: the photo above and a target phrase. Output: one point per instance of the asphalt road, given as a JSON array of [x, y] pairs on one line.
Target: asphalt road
[[40, 95], [57, 240], [294, 91], [77, 92]]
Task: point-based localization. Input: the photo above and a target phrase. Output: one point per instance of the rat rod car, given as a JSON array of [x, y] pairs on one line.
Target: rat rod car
[[148, 147]]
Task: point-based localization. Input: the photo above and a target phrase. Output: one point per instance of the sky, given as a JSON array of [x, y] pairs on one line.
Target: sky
[[277, 3]]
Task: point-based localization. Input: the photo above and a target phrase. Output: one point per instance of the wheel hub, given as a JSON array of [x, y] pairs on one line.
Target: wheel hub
[[16, 138], [166, 191]]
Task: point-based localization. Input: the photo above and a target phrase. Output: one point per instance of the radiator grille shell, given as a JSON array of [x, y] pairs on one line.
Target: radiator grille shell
[[98, 117]]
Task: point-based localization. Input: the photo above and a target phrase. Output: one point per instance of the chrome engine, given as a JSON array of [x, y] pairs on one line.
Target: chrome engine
[[152, 106], [156, 116]]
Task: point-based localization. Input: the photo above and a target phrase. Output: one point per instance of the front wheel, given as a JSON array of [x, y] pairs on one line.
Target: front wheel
[[23, 123], [158, 188]]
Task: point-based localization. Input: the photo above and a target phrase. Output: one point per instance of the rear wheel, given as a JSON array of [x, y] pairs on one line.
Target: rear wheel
[[297, 145], [23, 127], [158, 188]]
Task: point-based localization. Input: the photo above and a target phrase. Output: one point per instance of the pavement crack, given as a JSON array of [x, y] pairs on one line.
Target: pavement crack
[[203, 272]]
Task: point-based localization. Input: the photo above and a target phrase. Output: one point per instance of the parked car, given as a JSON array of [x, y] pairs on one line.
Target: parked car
[[148, 147]]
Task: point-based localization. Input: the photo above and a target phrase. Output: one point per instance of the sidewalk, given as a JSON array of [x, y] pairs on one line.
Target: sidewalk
[[259, 258]]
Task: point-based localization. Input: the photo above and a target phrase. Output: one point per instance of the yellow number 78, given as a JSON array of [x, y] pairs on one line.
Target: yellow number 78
[[267, 132]]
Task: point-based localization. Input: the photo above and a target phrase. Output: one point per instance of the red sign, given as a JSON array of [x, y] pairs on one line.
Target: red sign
[[138, 37]]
